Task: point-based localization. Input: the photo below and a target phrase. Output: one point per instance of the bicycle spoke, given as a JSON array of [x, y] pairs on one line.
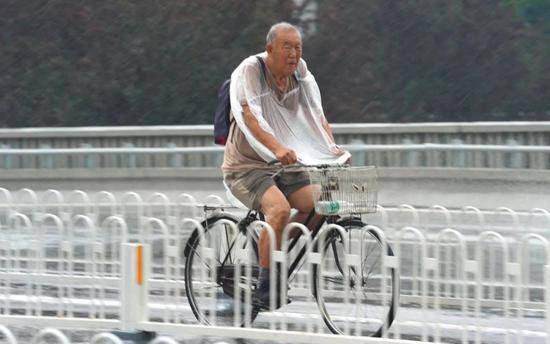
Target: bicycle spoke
[[367, 305], [227, 239], [197, 255], [219, 260], [364, 264], [199, 287]]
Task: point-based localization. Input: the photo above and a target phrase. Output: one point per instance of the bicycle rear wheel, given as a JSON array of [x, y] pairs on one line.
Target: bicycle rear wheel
[[370, 307], [210, 273]]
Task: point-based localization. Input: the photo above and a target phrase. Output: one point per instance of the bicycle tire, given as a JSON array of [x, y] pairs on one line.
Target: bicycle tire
[[202, 306], [338, 318]]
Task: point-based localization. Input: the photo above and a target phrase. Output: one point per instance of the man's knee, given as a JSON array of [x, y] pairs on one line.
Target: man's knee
[[279, 211], [274, 205]]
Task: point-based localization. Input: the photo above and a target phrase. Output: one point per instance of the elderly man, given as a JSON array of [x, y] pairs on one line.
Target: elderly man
[[278, 115]]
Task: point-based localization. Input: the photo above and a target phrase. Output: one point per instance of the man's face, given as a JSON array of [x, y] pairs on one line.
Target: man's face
[[286, 51]]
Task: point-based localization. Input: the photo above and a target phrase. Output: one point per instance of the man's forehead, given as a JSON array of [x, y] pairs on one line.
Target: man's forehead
[[288, 36]]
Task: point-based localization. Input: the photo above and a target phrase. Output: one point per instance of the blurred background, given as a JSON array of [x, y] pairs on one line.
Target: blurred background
[[450, 99], [119, 62]]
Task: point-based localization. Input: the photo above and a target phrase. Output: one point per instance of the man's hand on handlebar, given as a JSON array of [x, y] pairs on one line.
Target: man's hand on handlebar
[[286, 156]]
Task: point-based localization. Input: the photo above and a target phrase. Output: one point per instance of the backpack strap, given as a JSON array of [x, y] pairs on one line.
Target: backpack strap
[[262, 65]]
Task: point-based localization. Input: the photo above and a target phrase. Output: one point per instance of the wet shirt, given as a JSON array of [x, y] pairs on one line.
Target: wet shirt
[[293, 117]]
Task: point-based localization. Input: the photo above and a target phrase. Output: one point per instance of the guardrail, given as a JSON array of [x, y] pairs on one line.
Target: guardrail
[[50, 333], [495, 133], [61, 264], [405, 155], [133, 207], [454, 288]]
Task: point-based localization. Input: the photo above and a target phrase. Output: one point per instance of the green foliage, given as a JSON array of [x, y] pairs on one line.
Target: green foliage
[[123, 62], [535, 12], [119, 62], [429, 61]]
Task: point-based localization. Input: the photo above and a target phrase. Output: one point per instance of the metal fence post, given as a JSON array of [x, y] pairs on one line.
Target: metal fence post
[[514, 159], [89, 160], [45, 160], [131, 160], [458, 157], [7, 159], [410, 157], [358, 156], [174, 159]]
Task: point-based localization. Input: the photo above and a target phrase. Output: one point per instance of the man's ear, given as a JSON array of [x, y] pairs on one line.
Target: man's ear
[[269, 48]]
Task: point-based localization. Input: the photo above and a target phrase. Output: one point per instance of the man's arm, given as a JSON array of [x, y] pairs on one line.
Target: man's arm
[[282, 153], [328, 129]]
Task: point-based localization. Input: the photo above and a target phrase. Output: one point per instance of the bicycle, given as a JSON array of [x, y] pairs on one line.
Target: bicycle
[[342, 190]]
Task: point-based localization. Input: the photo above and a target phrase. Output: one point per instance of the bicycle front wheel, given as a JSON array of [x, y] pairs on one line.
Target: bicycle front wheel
[[210, 273], [369, 309]]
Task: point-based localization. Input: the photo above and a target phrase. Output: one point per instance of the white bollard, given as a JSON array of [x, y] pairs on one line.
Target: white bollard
[[134, 287]]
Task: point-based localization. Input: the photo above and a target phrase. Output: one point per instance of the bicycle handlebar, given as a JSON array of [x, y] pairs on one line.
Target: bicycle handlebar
[[299, 164]]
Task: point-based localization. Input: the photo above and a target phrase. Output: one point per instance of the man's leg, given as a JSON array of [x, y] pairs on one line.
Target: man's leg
[[276, 209], [302, 200]]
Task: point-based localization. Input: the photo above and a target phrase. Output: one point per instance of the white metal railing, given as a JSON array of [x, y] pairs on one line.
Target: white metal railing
[[467, 275], [445, 291], [121, 157], [528, 132], [51, 333], [457, 154], [133, 208]]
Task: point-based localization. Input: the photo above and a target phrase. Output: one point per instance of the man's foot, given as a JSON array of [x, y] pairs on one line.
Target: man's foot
[[263, 301], [262, 297]]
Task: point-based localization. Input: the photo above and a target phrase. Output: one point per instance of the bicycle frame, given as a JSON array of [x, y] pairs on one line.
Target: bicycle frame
[[254, 215], [294, 241]]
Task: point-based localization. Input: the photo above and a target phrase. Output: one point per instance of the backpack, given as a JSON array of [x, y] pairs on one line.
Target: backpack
[[222, 116], [222, 120]]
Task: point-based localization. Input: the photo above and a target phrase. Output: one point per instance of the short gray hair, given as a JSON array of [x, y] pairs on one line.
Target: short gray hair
[[279, 26]]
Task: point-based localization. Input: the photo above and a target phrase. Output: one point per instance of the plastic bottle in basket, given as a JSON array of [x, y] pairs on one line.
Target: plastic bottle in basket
[[330, 207]]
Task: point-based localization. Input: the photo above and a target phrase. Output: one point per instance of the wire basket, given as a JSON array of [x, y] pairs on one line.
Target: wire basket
[[344, 190]]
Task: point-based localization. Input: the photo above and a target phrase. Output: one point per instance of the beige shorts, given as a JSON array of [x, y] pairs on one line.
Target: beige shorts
[[250, 186]]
